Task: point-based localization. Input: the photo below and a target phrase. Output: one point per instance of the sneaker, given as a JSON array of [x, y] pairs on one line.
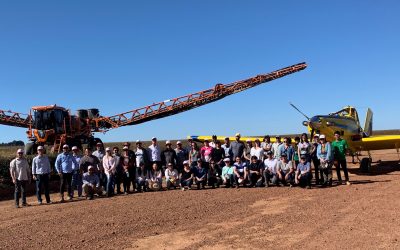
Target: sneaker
[[25, 204], [17, 206], [40, 203], [70, 198], [49, 202], [290, 185], [348, 183], [183, 189], [308, 187], [125, 193]]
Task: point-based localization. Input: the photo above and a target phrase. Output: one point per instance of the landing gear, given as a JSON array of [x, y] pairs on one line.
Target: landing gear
[[365, 165]]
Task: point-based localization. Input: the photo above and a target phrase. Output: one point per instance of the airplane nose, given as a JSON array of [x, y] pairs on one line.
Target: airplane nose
[[305, 123], [315, 122]]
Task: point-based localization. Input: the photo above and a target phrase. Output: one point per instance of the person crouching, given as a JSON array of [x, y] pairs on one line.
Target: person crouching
[[171, 176], [91, 184]]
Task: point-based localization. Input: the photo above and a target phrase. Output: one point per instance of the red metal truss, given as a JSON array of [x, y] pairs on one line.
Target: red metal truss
[[183, 103], [15, 119]]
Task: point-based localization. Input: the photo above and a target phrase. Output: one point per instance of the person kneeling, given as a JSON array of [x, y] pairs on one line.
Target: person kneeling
[[141, 178], [200, 176], [240, 172], [155, 178], [213, 175], [255, 172], [270, 172], [286, 171], [186, 176], [171, 176], [303, 175], [91, 184], [227, 174]]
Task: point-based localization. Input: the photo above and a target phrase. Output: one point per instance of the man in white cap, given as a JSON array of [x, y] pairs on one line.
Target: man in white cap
[[64, 167], [227, 173], [154, 152], [237, 147], [168, 155], [181, 156], [99, 153], [325, 156], [41, 172], [20, 175], [76, 174], [91, 183]]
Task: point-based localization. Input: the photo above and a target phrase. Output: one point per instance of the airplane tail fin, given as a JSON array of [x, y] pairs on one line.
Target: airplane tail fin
[[368, 123]]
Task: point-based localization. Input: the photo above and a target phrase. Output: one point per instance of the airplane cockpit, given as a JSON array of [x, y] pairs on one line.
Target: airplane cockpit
[[348, 112]]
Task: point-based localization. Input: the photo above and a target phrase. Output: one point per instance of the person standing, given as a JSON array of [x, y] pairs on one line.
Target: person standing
[[154, 152], [20, 175], [296, 157], [227, 147], [89, 160], [315, 160], [99, 153], [181, 156], [257, 151], [76, 173], [276, 147], [194, 155], [206, 154], [41, 173], [168, 155], [304, 147], [109, 170], [64, 169], [287, 149], [141, 155], [237, 147], [129, 170], [247, 151], [118, 169], [266, 144], [324, 154], [218, 154], [339, 148]]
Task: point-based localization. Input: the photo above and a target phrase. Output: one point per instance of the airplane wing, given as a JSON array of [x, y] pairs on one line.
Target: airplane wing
[[378, 142]]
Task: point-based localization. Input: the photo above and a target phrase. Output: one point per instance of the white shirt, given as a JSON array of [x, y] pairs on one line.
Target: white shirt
[[109, 164], [258, 152], [275, 149], [139, 156], [20, 169], [171, 174], [271, 165], [155, 153]]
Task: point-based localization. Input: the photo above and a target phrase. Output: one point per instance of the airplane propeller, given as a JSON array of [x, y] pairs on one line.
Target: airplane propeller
[[308, 118]]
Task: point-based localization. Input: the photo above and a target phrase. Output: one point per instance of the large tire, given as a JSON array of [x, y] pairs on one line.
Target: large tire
[[365, 165], [30, 148]]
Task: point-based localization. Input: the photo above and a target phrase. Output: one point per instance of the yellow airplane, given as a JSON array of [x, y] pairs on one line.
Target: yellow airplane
[[345, 121]]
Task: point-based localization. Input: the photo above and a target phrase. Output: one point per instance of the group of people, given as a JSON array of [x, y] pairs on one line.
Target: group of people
[[231, 164]]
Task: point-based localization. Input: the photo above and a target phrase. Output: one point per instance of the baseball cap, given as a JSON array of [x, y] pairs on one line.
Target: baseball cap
[[65, 146], [178, 142], [99, 144], [248, 140], [316, 135], [138, 141], [90, 167], [237, 135], [108, 149], [169, 164], [322, 137], [20, 151], [153, 138], [40, 148], [186, 163], [74, 148], [227, 159], [167, 142]]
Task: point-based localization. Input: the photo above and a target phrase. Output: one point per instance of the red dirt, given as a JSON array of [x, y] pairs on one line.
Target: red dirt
[[363, 215]]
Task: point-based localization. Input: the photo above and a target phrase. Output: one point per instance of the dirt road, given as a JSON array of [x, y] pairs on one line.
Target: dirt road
[[363, 215]]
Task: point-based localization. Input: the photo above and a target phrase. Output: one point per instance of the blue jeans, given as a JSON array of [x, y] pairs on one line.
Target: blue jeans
[[187, 183], [110, 184], [42, 180], [77, 182]]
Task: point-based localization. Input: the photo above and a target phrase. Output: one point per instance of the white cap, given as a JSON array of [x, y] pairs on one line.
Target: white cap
[[74, 148], [237, 134], [90, 167], [167, 142], [169, 164], [65, 146], [40, 148], [20, 151], [138, 141], [108, 149], [316, 135], [186, 163], [322, 137], [178, 142], [153, 138], [125, 148], [227, 159], [248, 140]]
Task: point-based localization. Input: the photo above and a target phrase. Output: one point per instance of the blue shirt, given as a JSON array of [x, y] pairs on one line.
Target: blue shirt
[[64, 163], [75, 167], [91, 179], [289, 151], [303, 168], [41, 165], [325, 152]]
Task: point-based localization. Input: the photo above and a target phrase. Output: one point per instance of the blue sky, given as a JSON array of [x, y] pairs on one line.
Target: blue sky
[[121, 55]]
